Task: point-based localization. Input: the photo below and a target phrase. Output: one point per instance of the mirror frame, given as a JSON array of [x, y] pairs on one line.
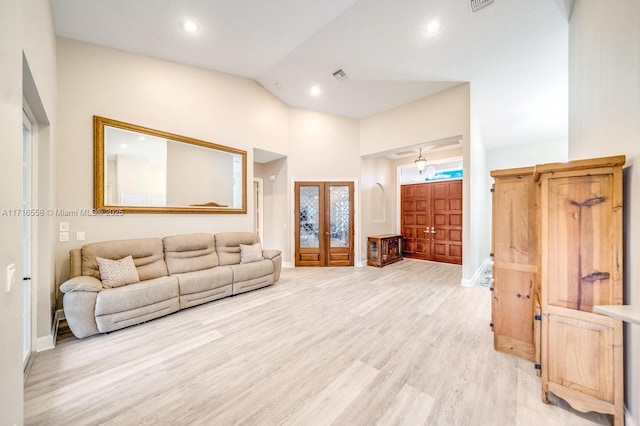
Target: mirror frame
[[99, 124]]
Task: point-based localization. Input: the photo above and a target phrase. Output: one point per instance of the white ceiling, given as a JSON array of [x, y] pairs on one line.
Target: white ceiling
[[513, 52]]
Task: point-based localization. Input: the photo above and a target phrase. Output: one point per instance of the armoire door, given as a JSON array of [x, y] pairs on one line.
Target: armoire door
[[324, 224], [581, 261], [516, 279], [431, 221]]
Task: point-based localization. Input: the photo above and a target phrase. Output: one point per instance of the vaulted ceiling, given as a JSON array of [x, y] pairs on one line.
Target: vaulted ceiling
[[513, 52]]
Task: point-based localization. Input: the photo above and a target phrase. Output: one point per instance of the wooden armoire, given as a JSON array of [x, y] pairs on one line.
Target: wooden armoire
[[578, 235]]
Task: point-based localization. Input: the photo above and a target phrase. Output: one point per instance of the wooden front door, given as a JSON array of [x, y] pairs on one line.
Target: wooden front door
[[416, 221], [324, 224], [431, 221]]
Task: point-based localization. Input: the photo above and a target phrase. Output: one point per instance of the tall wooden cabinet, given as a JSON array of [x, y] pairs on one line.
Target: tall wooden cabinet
[[516, 281], [557, 238], [581, 266]]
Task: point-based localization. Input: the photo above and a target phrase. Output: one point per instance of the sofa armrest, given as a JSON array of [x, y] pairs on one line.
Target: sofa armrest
[[270, 254], [276, 258], [81, 283]]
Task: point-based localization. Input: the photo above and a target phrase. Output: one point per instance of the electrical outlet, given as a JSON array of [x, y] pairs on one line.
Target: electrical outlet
[[64, 236], [80, 236]]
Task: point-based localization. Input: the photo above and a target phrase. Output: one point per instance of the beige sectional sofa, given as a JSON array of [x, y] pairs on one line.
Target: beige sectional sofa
[[175, 272]]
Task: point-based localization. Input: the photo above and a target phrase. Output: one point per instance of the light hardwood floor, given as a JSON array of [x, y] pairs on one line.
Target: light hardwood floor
[[405, 344]]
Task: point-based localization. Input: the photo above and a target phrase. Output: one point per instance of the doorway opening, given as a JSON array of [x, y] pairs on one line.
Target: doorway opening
[[27, 232]]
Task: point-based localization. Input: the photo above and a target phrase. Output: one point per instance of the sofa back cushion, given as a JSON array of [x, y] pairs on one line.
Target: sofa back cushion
[[147, 253], [190, 252], [228, 245]]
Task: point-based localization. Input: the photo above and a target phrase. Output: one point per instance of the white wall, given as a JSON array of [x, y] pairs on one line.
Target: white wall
[[378, 192], [440, 116], [604, 120], [530, 154], [276, 215], [323, 147], [180, 99], [26, 28], [479, 197]]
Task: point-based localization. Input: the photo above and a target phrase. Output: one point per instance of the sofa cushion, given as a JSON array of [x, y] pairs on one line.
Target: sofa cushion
[[250, 253], [228, 245], [133, 296], [190, 252], [116, 273], [147, 253], [249, 271], [207, 279]]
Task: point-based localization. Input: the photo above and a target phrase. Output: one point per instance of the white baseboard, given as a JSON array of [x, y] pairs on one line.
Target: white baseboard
[[476, 276], [361, 263], [287, 264], [45, 343], [49, 342]]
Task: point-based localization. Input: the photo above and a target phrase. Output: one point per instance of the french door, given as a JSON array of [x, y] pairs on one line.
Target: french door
[[324, 224], [431, 221]]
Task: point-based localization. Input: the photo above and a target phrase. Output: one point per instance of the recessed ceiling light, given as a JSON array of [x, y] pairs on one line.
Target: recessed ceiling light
[[190, 27], [433, 27], [315, 90]]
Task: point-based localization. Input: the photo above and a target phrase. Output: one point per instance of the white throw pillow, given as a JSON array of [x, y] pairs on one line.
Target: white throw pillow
[[116, 273], [250, 253]]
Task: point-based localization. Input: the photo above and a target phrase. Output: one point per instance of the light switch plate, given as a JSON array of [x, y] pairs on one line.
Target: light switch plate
[[64, 226], [11, 276], [80, 236], [64, 236]]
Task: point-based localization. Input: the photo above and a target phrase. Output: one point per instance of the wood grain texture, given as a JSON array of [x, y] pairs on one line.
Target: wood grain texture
[[581, 261], [404, 344], [515, 269]]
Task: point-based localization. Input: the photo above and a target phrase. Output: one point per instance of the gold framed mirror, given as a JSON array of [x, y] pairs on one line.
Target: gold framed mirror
[[142, 170]]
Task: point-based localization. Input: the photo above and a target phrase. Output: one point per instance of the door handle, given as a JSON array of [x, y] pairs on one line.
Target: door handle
[[433, 230]]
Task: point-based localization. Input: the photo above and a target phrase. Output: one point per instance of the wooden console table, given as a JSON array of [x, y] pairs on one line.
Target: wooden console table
[[384, 249]]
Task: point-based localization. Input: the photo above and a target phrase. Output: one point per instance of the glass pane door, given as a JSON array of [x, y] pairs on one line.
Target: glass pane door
[[324, 224], [340, 218], [309, 217]]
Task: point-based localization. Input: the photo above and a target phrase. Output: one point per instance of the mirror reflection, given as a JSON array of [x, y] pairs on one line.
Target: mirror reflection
[[145, 170]]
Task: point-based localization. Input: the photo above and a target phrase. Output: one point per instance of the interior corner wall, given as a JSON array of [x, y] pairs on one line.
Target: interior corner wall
[[604, 106], [176, 98], [479, 197], [275, 213], [40, 91], [378, 194], [439, 116]]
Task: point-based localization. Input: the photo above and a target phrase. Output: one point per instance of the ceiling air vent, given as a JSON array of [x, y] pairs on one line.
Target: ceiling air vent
[[479, 4], [340, 75]]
